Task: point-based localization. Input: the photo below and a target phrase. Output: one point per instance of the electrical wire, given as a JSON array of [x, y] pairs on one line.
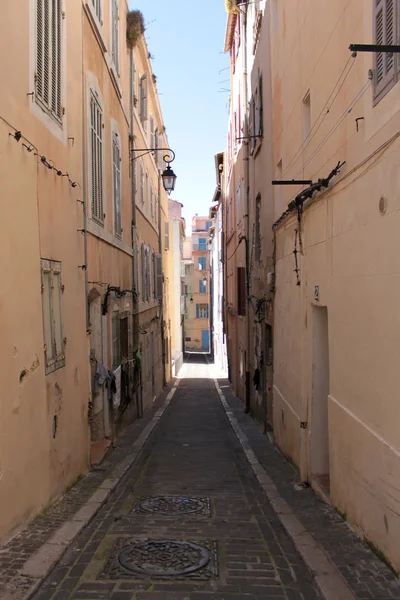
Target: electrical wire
[[348, 110], [327, 108], [235, 250]]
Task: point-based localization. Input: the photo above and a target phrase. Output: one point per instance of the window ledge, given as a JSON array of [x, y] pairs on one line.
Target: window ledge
[[116, 79], [58, 364]]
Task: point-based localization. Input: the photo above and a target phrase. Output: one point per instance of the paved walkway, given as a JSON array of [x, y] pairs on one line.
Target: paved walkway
[[205, 509], [219, 538]]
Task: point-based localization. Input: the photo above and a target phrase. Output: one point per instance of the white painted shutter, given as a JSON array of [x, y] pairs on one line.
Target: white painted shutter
[[159, 276], [141, 183], [385, 33], [117, 185], [166, 236], [143, 266], [152, 133], [49, 55], [160, 153], [96, 147], [137, 254], [143, 98], [115, 34]]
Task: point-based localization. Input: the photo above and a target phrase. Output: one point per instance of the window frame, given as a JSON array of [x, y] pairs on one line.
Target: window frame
[[56, 52], [115, 33], [98, 215], [202, 287], [117, 179], [389, 79], [202, 313], [57, 360], [201, 258]]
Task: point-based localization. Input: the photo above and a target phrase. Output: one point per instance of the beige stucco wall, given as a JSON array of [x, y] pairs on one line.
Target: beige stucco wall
[[351, 251], [40, 220]]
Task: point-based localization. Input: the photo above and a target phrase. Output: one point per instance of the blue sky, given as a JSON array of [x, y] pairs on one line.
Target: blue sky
[[186, 39]]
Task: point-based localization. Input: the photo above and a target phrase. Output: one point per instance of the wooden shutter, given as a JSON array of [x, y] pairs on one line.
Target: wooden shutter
[[48, 74], [152, 133], [159, 276], [115, 34], [141, 182], [137, 271], [385, 32], [148, 274], [260, 106], [143, 98], [143, 266], [117, 185], [160, 153], [241, 291], [166, 236], [96, 146]]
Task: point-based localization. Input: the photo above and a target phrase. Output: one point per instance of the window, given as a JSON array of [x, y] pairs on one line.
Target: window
[[96, 146], [257, 233], [239, 214], [166, 236], [115, 34], [151, 200], [146, 190], [208, 225], [201, 311], [116, 340], [116, 168], [202, 244], [152, 133], [241, 291], [202, 263], [386, 31], [141, 183], [158, 277], [143, 265], [52, 315], [97, 9], [202, 286], [48, 78], [143, 100], [256, 117]]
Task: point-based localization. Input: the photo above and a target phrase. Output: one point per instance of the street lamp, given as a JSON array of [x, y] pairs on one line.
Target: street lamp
[[168, 176]]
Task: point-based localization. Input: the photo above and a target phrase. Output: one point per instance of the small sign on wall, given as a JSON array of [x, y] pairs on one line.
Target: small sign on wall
[[316, 292]]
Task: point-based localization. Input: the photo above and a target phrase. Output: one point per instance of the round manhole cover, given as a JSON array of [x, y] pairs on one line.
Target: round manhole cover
[[163, 558], [172, 505]]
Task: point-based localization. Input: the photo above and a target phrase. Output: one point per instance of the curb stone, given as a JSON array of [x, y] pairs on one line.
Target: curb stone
[[41, 563], [327, 577]]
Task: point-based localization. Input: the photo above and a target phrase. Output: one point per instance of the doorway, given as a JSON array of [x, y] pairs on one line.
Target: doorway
[[320, 392], [205, 340]]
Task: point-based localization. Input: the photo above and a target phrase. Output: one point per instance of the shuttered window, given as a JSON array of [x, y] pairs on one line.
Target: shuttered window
[[256, 117], [241, 291], [158, 276], [385, 32], [257, 233], [141, 183], [152, 133], [98, 9], [201, 311], [143, 100], [52, 315], [143, 267], [48, 76], [115, 34], [166, 236], [96, 147], [116, 168]]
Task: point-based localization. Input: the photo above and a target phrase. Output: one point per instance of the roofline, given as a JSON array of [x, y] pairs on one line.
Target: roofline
[[230, 30]]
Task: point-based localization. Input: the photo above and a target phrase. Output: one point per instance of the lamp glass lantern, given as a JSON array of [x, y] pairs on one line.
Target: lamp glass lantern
[[169, 179]]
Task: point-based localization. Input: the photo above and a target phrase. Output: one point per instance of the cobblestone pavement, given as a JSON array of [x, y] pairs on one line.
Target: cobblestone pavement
[[21, 547], [367, 576], [189, 521]]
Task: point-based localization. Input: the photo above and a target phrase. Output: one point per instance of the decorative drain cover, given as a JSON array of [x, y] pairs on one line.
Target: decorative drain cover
[[173, 505], [162, 559]]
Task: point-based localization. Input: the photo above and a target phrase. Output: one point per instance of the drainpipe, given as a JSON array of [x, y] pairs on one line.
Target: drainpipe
[[247, 215], [84, 189]]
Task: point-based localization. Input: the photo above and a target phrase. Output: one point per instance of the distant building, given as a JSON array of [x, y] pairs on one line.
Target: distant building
[[197, 282]]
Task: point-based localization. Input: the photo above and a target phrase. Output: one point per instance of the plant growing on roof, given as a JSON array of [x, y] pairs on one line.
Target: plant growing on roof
[[232, 7], [134, 27]]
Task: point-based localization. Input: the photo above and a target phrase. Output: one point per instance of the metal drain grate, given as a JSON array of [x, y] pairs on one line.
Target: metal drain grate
[[162, 559], [173, 506]]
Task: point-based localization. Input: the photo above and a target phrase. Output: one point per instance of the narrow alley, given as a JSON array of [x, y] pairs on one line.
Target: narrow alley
[[189, 519]]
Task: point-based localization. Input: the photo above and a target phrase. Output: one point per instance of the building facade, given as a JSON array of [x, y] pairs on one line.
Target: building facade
[[84, 347], [197, 280], [176, 275], [44, 433], [321, 269]]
